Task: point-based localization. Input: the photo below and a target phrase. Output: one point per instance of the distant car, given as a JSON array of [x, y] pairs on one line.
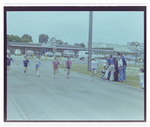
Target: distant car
[[84, 54], [29, 53], [17, 52], [8, 51], [58, 54], [69, 53], [130, 57], [49, 54]]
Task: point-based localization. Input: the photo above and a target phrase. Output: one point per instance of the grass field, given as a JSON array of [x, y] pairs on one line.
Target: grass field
[[131, 78]]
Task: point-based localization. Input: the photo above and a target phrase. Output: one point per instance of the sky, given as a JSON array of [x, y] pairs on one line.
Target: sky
[[116, 27]]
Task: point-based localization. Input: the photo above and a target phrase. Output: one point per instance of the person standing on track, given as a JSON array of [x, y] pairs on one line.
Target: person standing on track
[[9, 59], [25, 62], [55, 66], [68, 64], [37, 65], [94, 64]]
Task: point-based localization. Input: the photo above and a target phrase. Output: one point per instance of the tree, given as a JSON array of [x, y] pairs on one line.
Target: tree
[[82, 44], [26, 36], [52, 41], [9, 38], [12, 38], [43, 38], [66, 43], [25, 40], [76, 44], [59, 42], [16, 38]]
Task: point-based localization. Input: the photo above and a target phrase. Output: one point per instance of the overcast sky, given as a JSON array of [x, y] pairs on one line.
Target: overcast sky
[[117, 27]]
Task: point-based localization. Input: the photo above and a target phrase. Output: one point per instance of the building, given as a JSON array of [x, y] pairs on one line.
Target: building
[[97, 48], [40, 49], [107, 49]]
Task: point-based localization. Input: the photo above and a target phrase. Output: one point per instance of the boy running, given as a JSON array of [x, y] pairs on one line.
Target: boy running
[[9, 59], [25, 62], [55, 65], [37, 65], [94, 64], [68, 63]]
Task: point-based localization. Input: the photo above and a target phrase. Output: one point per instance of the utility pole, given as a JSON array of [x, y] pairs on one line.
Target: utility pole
[[90, 40]]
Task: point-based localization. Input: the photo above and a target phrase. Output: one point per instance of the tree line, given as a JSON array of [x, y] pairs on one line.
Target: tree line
[[15, 38], [43, 38]]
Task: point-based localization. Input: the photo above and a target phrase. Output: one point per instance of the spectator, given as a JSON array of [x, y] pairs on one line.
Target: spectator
[[116, 69], [118, 54], [124, 67], [141, 75], [104, 63], [110, 69], [120, 68], [104, 67], [108, 64]]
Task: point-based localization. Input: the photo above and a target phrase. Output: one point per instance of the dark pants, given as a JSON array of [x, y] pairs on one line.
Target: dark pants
[[116, 75]]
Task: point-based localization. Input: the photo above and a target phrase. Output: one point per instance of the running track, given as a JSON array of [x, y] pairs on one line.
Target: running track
[[44, 98]]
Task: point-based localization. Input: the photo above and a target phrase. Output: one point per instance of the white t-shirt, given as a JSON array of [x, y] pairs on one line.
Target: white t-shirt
[[141, 77], [37, 61], [104, 62], [94, 64]]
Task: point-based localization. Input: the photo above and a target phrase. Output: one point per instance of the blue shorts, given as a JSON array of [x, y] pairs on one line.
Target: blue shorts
[[68, 67], [93, 68], [141, 83], [8, 64], [37, 65], [25, 65]]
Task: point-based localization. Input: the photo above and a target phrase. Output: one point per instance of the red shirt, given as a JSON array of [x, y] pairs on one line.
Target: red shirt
[[68, 63], [55, 64]]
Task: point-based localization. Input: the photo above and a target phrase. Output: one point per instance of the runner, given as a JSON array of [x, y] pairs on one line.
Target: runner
[[55, 65], [68, 63], [9, 59], [37, 65], [25, 62], [94, 64]]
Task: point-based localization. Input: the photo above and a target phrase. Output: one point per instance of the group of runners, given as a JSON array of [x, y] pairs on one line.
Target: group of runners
[[37, 62], [55, 64]]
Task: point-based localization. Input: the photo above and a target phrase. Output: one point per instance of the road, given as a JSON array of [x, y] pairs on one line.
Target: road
[[44, 98]]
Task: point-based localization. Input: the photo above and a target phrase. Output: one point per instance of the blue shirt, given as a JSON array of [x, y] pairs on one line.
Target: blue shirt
[[9, 60], [25, 62], [124, 61], [108, 61], [111, 61]]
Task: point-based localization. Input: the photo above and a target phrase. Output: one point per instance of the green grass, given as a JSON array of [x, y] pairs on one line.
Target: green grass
[[131, 79]]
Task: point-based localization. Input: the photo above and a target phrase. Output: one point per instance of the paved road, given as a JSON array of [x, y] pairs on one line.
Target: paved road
[[78, 98]]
